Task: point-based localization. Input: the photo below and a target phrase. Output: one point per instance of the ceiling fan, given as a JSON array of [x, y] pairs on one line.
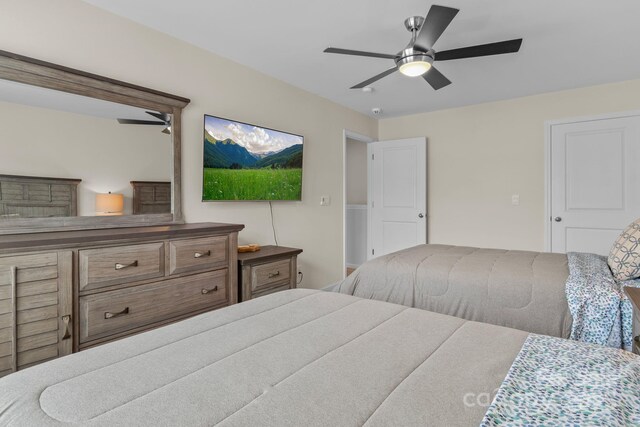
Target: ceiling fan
[[165, 120], [417, 58]]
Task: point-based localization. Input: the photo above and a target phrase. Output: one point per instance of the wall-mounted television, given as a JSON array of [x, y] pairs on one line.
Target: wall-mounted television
[[248, 162]]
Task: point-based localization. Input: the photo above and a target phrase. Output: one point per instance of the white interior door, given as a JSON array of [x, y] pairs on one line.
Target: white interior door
[[397, 195], [595, 184]]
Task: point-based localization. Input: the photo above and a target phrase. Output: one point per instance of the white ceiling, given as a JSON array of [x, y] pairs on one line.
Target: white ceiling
[[567, 44]]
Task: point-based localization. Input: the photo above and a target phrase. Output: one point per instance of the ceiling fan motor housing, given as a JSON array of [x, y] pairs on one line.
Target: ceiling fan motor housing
[[412, 53]]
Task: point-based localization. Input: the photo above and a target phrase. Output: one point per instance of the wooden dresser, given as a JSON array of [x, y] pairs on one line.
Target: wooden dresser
[[269, 270], [67, 291]]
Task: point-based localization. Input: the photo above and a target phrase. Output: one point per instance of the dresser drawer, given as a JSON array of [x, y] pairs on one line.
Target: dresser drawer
[[264, 276], [121, 264], [192, 255], [121, 310]]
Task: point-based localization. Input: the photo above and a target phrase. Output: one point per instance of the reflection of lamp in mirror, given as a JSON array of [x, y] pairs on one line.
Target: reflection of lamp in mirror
[[109, 204]]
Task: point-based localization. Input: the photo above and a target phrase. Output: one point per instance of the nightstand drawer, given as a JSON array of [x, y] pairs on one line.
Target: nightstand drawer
[[193, 255], [267, 275], [272, 291], [120, 264], [121, 310]]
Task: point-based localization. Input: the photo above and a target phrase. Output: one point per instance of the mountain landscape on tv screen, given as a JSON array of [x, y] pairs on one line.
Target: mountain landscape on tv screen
[[229, 155], [231, 172]]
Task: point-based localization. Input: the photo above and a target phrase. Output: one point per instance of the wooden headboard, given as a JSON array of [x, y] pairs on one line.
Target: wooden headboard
[[151, 197], [38, 197]]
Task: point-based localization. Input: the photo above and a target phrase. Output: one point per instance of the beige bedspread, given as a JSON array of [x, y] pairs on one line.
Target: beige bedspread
[[517, 289], [296, 358]]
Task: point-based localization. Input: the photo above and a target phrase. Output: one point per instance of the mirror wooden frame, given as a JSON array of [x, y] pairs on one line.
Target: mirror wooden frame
[[34, 72]]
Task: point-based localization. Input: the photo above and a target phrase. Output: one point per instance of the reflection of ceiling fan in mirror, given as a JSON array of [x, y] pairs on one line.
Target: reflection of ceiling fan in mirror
[[164, 118], [417, 58]]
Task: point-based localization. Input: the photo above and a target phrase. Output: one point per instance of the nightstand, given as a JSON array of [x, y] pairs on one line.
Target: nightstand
[[269, 270], [634, 296]]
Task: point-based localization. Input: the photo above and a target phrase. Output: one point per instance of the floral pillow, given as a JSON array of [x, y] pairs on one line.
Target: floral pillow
[[624, 258]]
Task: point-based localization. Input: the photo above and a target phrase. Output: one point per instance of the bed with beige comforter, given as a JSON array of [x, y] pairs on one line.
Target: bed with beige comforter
[[311, 358], [517, 289]]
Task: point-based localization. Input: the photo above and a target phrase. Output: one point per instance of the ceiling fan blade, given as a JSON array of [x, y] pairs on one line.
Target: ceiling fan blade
[[498, 48], [436, 79], [162, 116], [375, 78], [139, 122], [358, 53], [437, 20]]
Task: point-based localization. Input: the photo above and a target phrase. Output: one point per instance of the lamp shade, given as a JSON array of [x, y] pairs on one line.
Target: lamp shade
[[109, 204]]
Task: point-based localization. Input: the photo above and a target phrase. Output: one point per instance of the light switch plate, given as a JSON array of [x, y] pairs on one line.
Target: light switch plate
[[515, 200], [325, 200]]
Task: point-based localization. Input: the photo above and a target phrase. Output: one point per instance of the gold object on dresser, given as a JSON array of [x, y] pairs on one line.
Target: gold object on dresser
[[67, 291], [272, 269], [253, 247]]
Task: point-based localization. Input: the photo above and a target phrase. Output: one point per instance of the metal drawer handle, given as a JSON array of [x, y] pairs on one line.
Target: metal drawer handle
[[208, 291], [108, 315], [272, 275], [67, 332], [201, 254], [123, 266]]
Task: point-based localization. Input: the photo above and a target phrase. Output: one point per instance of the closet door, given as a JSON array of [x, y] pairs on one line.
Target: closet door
[[35, 309], [595, 183]]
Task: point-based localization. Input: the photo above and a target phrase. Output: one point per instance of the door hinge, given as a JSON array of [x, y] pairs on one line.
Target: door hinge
[[373, 251], [373, 157]]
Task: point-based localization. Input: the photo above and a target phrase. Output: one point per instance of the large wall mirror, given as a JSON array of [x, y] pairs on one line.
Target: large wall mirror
[[83, 151]]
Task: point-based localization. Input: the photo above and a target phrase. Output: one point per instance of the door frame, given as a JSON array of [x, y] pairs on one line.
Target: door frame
[[367, 140], [548, 125]]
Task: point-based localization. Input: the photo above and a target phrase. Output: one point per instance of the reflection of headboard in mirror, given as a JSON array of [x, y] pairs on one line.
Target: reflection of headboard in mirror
[[150, 197], [37, 197], [22, 70]]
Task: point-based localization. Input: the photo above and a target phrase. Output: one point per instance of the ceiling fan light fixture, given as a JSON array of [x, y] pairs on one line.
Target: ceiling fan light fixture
[[414, 64], [415, 68]]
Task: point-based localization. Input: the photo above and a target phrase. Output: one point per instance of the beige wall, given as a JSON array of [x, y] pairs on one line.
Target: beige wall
[[356, 172], [78, 35], [479, 156], [105, 155]]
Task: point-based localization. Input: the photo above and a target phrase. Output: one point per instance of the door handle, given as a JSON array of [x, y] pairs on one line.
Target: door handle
[[557, 219], [420, 215]]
